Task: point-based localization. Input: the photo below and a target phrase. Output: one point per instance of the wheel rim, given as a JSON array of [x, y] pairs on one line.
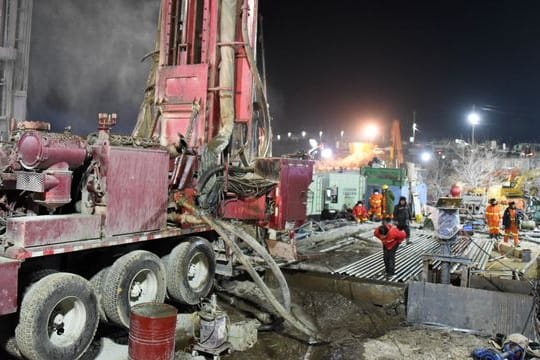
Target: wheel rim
[[198, 271], [143, 287], [67, 321]]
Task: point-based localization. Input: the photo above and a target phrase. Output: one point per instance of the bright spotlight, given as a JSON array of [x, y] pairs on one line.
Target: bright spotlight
[[278, 137], [371, 131], [425, 157], [326, 153], [313, 143], [303, 134], [474, 118]]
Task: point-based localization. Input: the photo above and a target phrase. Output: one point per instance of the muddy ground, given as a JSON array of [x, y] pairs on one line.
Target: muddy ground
[[360, 331], [352, 330]]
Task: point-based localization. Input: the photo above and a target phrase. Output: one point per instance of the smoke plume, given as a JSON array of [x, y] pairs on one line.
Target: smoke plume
[[86, 58]]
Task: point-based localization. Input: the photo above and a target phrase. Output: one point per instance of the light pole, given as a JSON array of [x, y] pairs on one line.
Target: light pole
[[474, 119]]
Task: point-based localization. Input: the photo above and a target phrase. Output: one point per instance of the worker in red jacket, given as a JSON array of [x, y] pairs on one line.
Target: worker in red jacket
[[359, 212], [391, 237]]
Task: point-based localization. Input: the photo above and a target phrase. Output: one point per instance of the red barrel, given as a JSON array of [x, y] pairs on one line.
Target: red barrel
[[151, 332]]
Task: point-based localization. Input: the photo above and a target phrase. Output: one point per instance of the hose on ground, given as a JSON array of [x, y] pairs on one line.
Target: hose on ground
[[259, 249], [280, 309], [258, 281]]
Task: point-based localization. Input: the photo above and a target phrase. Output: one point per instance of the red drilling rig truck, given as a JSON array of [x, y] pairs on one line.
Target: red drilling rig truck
[[92, 226]]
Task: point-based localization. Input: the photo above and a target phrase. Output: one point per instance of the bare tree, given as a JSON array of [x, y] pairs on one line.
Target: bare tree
[[438, 177], [471, 168], [474, 168]]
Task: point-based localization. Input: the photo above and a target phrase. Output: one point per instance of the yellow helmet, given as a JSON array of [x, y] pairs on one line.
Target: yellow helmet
[[385, 187]]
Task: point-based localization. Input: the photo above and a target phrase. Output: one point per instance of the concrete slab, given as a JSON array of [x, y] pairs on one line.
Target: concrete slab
[[486, 311], [111, 350]]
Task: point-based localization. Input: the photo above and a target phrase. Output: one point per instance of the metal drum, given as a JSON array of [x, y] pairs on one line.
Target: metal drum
[[151, 332]]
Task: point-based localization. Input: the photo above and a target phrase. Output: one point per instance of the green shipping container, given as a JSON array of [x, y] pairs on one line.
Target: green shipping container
[[385, 176]]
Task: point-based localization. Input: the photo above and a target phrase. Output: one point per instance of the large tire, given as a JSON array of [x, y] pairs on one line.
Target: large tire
[[135, 278], [190, 271], [58, 318], [97, 284]]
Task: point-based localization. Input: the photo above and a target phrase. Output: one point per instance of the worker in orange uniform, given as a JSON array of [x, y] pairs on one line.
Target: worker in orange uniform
[[375, 206], [359, 212], [493, 218], [391, 237], [388, 199], [511, 219]]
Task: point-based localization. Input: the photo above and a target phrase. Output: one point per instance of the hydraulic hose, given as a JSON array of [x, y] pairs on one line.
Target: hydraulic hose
[[219, 227], [226, 76], [258, 281], [259, 249], [257, 77]]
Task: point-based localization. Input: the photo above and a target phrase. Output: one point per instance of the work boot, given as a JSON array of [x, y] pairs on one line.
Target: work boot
[[409, 242]]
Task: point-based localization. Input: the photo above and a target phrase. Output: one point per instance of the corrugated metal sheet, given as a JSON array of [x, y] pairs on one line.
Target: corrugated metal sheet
[[409, 263], [465, 308]]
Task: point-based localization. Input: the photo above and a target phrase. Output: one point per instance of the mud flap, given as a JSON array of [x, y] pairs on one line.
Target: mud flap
[[8, 284]]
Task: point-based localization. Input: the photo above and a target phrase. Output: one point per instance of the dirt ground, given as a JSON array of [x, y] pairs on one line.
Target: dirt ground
[[351, 330], [360, 331]]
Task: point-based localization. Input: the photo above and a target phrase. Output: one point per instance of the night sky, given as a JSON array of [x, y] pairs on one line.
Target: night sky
[[331, 65]]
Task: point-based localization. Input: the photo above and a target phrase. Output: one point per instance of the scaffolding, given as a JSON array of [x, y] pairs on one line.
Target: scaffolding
[[15, 30]]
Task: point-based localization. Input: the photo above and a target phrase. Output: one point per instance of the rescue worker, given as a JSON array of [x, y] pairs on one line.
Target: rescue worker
[[493, 218], [402, 216], [388, 199], [359, 212], [391, 237], [375, 203], [511, 219]]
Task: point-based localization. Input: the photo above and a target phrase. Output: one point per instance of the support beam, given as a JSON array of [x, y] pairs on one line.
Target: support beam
[[8, 54], [15, 21]]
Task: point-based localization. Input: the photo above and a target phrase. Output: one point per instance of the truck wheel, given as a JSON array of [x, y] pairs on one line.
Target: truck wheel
[[190, 271], [58, 318], [97, 284], [135, 278]]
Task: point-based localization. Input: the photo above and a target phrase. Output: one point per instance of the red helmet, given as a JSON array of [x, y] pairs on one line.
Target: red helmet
[[455, 191]]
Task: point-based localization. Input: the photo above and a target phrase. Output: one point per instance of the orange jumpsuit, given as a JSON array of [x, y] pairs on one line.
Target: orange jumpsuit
[[375, 205], [493, 219], [360, 213]]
